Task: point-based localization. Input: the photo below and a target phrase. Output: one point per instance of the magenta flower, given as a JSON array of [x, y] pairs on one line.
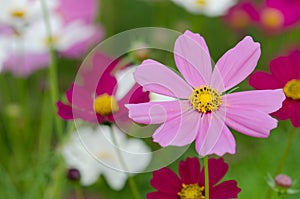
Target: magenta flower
[[279, 14], [285, 74], [190, 184], [98, 99], [202, 107], [242, 15]]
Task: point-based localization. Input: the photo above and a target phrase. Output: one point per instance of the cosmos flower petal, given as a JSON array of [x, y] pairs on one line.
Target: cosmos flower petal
[[211, 128], [189, 171], [262, 80], [155, 77], [257, 100], [115, 179], [250, 122], [236, 64], [80, 97], [156, 112], [170, 184], [178, 131], [219, 167], [290, 110], [192, 59], [225, 144], [225, 190], [160, 195]]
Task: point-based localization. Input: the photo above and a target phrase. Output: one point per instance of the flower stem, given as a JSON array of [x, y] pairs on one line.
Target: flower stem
[[206, 176], [286, 151], [283, 158], [52, 70], [131, 181], [78, 191]]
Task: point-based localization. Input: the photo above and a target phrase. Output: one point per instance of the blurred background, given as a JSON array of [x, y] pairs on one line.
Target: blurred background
[[30, 166]]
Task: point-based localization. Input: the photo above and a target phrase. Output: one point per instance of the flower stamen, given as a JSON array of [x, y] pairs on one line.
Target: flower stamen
[[105, 105], [205, 99], [201, 2], [18, 13], [191, 191], [292, 89]]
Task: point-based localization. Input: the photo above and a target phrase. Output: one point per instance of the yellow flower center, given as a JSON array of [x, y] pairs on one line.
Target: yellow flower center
[[201, 2], [292, 89], [191, 191], [18, 13], [272, 18], [205, 99], [105, 105]]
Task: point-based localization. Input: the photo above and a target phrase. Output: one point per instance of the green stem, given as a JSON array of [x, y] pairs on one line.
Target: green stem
[[206, 176], [78, 191], [131, 181], [286, 151], [283, 158], [52, 71]]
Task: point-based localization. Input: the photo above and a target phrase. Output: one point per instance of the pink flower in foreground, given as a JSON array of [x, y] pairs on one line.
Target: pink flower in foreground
[[99, 98], [190, 184], [203, 110], [285, 73]]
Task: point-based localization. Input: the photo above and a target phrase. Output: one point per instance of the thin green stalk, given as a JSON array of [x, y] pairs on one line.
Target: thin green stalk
[[206, 176], [78, 191], [131, 181], [52, 71], [286, 151], [283, 158]]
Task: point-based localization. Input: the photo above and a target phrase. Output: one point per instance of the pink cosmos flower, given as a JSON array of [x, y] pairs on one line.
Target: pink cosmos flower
[[285, 74], [191, 181], [98, 98], [202, 109]]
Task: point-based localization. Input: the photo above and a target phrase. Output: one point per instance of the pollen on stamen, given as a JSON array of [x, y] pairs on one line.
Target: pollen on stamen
[[205, 99]]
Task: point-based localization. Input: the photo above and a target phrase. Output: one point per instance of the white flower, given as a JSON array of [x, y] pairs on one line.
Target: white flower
[[63, 36], [19, 13], [206, 7], [92, 152]]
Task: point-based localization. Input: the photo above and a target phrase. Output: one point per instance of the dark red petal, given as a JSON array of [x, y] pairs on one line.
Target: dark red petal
[[225, 190], [160, 195], [80, 97], [166, 181], [217, 170], [283, 69], [285, 111], [189, 171], [107, 84], [295, 116], [134, 96], [262, 80], [64, 111]]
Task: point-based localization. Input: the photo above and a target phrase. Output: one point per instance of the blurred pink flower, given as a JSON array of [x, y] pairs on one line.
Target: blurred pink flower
[[191, 180], [279, 14], [242, 15], [73, 33], [203, 109], [100, 98], [285, 74]]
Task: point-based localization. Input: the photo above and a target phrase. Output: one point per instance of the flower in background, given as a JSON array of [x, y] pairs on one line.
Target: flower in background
[[190, 183], [202, 106], [102, 95], [17, 14], [279, 14], [242, 15], [92, 153], [282, 184], [285, 74], [71, 33], [207, 7]]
